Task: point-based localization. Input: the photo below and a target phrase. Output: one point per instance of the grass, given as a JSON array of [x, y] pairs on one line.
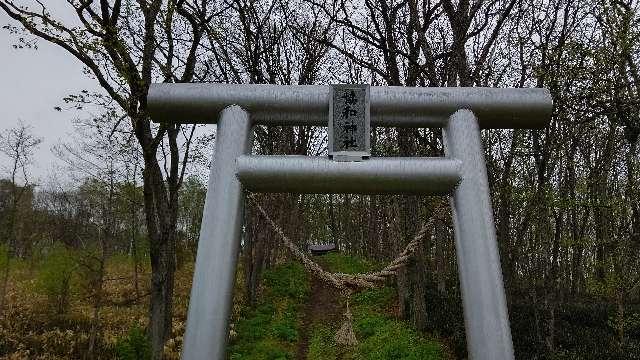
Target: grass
[[337, 262], [31, 329], [270, 330], [380, 336]]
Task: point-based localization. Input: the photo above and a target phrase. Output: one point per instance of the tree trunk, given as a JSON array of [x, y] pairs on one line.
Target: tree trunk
[[161, 225], [372, 239], [411, 281], [620, 315], [253, 254], [332, 220], [441, 237], [5, 281], [419, 314], [162, 281], [504, 215], [134, 251]]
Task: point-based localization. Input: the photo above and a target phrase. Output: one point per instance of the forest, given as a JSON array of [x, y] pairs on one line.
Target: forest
[[96, 262]]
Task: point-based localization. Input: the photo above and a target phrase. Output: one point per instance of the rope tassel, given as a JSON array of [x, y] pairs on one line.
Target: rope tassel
[[345, 335]]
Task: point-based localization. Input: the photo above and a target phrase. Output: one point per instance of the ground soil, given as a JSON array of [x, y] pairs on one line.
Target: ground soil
[[324, 306]]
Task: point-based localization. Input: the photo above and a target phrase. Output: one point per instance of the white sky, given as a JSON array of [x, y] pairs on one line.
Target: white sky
[[32, 83]]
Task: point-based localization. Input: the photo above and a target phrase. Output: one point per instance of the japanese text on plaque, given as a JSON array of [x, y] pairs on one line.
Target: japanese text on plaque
[[349, 106]]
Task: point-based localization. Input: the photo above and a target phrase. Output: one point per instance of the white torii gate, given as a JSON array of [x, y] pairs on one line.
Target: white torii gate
[[461, 112]]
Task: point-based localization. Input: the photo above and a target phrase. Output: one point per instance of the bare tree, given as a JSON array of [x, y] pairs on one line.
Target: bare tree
[[125, 46], [18, 144], [100, 161]]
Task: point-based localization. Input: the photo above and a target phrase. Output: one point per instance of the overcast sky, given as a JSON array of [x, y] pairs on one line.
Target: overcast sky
[[32, 83]]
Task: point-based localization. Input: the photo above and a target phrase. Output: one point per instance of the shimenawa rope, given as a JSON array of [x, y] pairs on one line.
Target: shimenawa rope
[[346, 283]]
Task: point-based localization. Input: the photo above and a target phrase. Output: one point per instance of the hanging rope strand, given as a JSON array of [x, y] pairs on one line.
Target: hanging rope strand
[[347, 281]]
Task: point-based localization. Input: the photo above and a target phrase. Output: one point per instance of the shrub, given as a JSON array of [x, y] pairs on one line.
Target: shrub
[[54, 277], [134, 346]]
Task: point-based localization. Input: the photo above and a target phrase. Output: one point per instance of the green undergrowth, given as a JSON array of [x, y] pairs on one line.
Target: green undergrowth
[[337, 262], [269, 331], [380, 336]]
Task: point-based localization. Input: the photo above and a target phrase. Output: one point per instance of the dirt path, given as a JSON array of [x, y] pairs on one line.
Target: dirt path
[[323, 307]]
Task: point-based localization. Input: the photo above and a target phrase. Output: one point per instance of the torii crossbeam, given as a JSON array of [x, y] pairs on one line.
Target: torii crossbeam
[[461, 112]]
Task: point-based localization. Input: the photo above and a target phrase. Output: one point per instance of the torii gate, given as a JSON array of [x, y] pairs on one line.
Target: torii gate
[[461, 112]]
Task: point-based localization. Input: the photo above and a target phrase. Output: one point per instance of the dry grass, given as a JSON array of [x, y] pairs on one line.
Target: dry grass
[[30, 329]]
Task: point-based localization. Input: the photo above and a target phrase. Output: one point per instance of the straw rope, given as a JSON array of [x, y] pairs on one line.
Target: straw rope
[[348, 282]]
